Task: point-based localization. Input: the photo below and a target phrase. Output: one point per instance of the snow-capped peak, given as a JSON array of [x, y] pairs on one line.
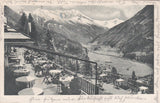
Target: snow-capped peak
[[70, 16]]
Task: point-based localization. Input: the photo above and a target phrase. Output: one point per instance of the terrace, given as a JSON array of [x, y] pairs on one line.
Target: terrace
[[25, 67]]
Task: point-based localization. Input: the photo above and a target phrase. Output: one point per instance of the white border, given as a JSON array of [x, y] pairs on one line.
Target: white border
[[148, 98]]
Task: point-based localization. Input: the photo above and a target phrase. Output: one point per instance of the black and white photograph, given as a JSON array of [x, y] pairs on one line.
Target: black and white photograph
[[78, 49]]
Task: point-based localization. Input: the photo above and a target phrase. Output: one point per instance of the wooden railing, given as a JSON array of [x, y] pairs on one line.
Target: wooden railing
[[87, 86]]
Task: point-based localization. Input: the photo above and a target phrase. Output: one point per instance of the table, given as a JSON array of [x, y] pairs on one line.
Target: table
[[15, 60], [103, 75], [53, 72], [41, 61], [119, 82], [12, 56], [27, 81], [66, 80], [31, 91], [106, 71], [17, 65], [143, 89], [21, 72], [139, 81]]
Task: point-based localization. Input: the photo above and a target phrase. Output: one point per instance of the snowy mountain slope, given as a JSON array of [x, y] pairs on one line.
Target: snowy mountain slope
[[70, 16], [70, 23]]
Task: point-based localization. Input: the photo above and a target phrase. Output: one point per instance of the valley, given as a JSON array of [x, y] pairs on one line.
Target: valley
[[106, 56]]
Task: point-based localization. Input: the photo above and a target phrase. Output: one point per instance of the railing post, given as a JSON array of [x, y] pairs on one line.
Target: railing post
[[77, 68], [91, 71], [59, 60], [96, 86], [66, 62]]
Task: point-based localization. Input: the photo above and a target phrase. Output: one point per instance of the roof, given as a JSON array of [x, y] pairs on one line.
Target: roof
[[12, 34]]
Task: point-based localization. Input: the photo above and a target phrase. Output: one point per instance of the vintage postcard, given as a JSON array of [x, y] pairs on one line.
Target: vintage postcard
[[79, 51]]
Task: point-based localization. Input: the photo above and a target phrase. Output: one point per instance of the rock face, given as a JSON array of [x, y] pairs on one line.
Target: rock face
[[134, 36]]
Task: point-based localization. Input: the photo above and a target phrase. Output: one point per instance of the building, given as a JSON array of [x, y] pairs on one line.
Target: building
[[13, 38]]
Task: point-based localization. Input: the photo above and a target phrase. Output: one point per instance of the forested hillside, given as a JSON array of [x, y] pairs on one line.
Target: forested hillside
[[133, 37]]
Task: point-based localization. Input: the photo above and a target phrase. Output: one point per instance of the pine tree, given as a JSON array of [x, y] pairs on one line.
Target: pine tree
[[22, 22], [30, 18], [87, 67], [48, 39], [26, 27], [134, 78], [33, 33], [114, 70], [114, 74], [133, 75]]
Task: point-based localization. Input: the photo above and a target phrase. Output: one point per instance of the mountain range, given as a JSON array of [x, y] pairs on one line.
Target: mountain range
[[72, 23], [133, 37], [73, 16]]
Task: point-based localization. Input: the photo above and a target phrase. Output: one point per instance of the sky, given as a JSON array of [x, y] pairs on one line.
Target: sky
[[98, 12]]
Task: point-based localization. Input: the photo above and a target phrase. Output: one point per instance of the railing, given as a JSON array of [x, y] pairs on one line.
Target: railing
[[86, 86]]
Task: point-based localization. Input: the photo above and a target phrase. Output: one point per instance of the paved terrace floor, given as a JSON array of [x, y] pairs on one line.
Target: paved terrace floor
[[50, 89]]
